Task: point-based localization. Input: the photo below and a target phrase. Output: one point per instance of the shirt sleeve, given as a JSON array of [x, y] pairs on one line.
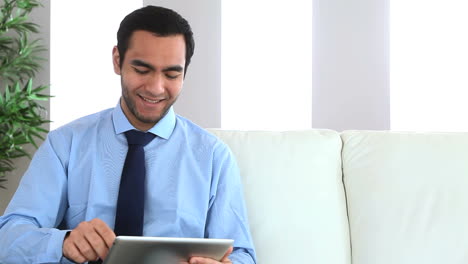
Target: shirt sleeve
[[227, 216], [27, 229]]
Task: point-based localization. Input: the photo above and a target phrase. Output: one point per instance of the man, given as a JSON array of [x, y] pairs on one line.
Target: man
[[68, 205]]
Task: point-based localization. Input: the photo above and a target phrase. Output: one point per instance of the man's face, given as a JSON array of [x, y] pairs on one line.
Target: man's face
[[152, 75]]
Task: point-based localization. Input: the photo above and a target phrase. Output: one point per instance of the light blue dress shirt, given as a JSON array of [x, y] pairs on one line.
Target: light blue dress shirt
[[193, 187]]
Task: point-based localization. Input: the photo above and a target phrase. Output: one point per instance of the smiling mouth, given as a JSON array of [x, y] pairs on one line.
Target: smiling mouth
[[151, 101]]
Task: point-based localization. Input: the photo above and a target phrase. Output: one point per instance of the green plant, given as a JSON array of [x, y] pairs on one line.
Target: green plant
[[21, 115]]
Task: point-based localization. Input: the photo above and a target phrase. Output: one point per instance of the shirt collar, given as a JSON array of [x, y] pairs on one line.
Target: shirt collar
[[163, 128]]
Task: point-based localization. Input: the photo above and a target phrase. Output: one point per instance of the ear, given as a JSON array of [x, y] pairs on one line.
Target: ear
[[116, 60]]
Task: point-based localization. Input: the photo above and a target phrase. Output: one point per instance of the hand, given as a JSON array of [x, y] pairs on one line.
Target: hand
[[89, 241], [201, 260]]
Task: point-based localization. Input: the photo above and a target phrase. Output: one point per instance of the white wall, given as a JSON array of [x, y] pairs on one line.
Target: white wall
[[266, 65], [83, 81], [200, 100], [40, 16], [351, 64], [429, 65]]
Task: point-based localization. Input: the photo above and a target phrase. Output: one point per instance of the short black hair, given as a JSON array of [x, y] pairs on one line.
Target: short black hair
[[158, 20]]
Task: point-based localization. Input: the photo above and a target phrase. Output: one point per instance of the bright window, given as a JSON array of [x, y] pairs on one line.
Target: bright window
[[266, 64], [429, 65], [82, 36]]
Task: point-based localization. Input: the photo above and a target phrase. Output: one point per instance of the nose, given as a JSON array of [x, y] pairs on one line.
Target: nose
[[156, 84]]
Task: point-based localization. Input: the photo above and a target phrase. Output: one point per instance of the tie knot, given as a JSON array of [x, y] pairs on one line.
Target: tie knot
[[135, 137]]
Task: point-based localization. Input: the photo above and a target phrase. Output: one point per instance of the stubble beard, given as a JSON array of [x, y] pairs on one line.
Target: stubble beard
[[131, 105]]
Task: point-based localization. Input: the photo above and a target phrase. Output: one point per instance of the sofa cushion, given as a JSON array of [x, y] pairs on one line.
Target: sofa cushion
[[407, 197], [294, 194]]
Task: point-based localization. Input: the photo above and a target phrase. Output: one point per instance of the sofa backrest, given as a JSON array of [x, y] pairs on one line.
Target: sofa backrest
[[294, 194], [407, 197]]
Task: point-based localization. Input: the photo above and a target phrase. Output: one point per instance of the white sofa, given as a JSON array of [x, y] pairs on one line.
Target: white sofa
[[360, 197]]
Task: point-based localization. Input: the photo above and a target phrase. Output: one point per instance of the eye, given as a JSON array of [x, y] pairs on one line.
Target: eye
[[173, 76], [139, 71]]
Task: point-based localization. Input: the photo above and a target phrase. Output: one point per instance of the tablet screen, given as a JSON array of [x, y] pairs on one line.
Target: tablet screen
[[164, 250]]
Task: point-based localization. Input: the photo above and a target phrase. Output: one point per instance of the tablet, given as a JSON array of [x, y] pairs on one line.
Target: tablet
[[164, 250]]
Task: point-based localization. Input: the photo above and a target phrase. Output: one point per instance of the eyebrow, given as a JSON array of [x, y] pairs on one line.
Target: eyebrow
[[176, 68], [141, 63]]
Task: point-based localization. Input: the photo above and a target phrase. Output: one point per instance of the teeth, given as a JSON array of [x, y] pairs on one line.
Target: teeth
[[151, 101]]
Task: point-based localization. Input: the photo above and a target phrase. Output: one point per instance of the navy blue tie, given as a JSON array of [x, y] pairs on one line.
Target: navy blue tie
[[131, 200]]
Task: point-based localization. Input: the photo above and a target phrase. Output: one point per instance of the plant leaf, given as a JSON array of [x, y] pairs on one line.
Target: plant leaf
[[7, 94], [29, 86], [21, 115]]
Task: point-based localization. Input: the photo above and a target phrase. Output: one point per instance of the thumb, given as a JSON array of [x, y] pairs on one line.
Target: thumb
[[228, 252]]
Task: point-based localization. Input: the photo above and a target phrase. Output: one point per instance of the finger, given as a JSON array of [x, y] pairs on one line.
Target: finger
[[201, 260], [78, 236], [78, 240], [228, 252], [76, 255], [86, 249], [97, 243], [71, 252], [104, 231]]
